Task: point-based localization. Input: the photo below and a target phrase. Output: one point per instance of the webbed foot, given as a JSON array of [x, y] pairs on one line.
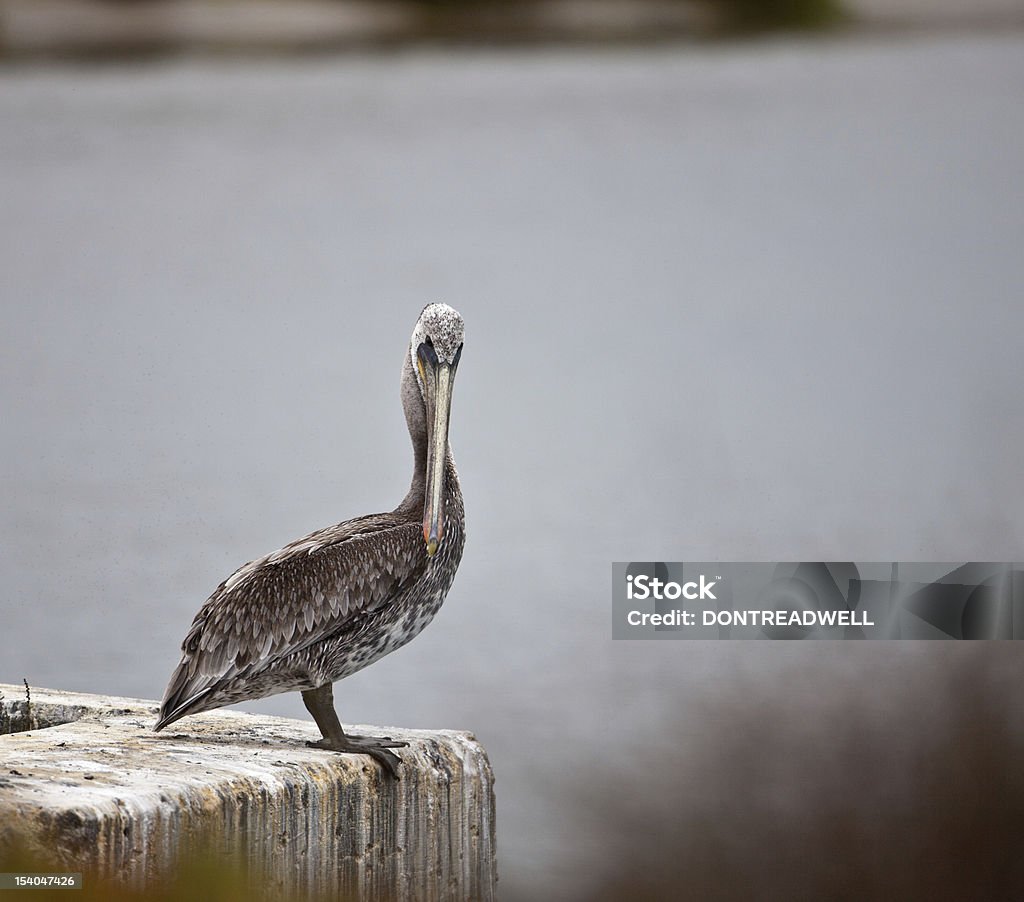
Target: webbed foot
[[376, 748]]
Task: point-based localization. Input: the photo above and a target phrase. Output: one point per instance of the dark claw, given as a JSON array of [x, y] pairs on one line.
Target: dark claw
[[384, 742], [387, 760]]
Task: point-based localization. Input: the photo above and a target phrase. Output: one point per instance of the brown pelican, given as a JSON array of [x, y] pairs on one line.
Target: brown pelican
[[335, 601]]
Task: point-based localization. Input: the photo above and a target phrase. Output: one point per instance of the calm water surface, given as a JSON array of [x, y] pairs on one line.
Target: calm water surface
[[760, 302]]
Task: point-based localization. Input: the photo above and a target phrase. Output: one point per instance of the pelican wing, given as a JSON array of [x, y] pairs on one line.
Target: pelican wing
[[302, 594]]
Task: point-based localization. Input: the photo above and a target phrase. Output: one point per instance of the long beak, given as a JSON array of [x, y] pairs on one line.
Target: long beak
[[439, 406]]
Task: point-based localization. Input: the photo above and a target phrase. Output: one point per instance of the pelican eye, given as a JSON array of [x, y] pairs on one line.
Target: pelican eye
[[455, 359], [427, 354]]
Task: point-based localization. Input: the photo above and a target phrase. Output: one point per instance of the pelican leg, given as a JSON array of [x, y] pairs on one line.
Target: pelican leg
[[320, 703]]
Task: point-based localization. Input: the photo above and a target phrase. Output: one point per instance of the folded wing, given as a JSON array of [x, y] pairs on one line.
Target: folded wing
[[305, 593]]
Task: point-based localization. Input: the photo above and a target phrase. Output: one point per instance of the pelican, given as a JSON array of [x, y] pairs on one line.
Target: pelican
[[331, 603]]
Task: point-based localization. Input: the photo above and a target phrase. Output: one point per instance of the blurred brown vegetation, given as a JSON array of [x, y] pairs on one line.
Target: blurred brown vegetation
[[730, 16], [107, 29], [736, 15], [900, 783], [199, 876], [742, 14], [766, 15]]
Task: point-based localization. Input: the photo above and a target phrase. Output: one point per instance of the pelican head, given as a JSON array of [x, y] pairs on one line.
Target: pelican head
[[434, 351]]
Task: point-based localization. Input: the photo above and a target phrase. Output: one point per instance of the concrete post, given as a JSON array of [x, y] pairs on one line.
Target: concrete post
[[87, 787]]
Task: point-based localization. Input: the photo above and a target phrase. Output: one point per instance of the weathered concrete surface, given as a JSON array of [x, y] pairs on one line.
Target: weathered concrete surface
[[101, 793]]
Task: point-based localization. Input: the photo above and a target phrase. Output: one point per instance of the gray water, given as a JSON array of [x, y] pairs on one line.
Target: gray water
[[749, 302]]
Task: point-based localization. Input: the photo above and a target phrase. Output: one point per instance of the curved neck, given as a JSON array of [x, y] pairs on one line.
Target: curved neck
[[416, 420]]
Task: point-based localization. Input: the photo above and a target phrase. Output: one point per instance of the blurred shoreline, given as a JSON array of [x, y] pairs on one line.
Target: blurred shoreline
[[35, 30]]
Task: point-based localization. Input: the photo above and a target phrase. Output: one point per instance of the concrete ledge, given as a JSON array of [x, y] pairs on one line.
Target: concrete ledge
[[86, 785]]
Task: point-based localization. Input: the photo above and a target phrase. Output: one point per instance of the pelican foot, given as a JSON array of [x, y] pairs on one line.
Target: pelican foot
[[366, 745]]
